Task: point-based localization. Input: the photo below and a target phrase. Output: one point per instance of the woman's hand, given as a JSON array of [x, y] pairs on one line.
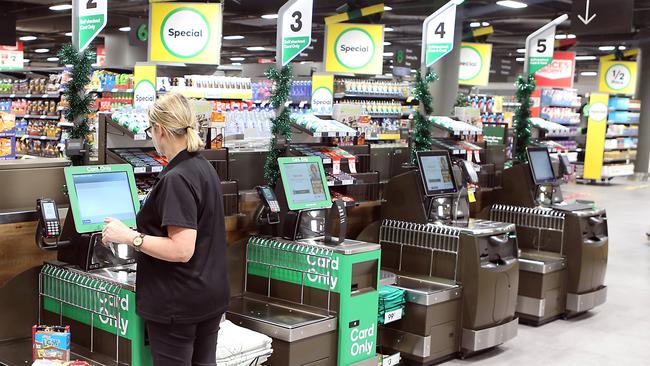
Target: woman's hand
[[115, 231]]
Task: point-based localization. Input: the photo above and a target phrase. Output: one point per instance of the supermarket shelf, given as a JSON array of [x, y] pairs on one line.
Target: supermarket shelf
[[137, 169], [620, 148], [32, 96], [44, 138], [210, 93], [561, 106], [389, 115], [633, 110], [114, 90], [135, 136], [621, 123], [372, 96], [38, 116], [620, 136], [610, 161], [325, 133], [65, 124], [511, 104]]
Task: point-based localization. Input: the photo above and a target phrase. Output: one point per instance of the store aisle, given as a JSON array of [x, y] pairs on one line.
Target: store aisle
[[616, 333]]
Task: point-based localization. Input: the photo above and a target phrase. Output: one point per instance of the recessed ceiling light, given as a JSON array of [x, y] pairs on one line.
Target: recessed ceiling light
[[585, 58], [255, 48], [512, 4], [622, 48], [61, 7], [606, 48], [231, 38], [386, 43], [391, 66], [485, 24], [69, 34], [475, 24], [25, 60], [388, 29], [589, 73], [236, 63], [237, 59], [305, 62], [27, 38], [413, 71], [521, 50], [270, 16], [41, 50], [520, 59], [124, 29], [53, 59], [388, 54], [560, 36], [387, 8], [571, 36]]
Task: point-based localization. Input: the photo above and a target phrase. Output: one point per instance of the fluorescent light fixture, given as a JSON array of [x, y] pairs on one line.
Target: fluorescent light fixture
[[388, 74], [606, 48], [27, 38], [305, 62], [270, 16], [237, 59], [41, 50], [512, 4], [560, 36], [589, 73], [622, 48], [388, 29], [69, 34], [61, 7], [232, 38], [485, 24], [457, 2], [387, 8], [93, 65], [25, 60], [413, 71], [388, 54], [585, 58], [475, 24], [255, 48], [521, 50], [124, 29], [386, 43], [236, 63], [571, 36], [53, 59], [520, 59], [391, 66]]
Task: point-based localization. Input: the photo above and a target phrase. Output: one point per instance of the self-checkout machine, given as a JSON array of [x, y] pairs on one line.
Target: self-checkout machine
[[460, 274], [315, 294], [91, 287], [564, 245]]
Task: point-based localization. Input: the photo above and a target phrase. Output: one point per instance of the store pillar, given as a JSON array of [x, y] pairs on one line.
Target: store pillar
[[120, 53], [445, 90], [643, 93]]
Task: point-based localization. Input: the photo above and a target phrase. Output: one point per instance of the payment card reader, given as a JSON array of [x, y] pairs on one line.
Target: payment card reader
[[270, 211]]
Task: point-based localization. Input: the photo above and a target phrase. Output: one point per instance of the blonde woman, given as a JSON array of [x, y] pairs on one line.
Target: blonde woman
[[182, 286]]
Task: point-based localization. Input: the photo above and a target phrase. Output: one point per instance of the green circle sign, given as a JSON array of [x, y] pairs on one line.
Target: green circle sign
[[618, 77], [471, 63], [182, 22], [357, 56]]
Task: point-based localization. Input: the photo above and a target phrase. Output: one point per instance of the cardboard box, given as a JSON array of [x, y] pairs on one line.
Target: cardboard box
[[51, 343]]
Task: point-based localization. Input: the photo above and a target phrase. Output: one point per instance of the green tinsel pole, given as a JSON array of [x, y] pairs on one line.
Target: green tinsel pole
[[281, 124], [421, 140], [75, 93], [522, 124]]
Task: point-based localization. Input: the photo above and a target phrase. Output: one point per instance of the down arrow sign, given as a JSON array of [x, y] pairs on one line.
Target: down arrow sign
[[587, 19]]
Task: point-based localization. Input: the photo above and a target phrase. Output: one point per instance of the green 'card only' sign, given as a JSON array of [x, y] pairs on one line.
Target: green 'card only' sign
[[91, 19]]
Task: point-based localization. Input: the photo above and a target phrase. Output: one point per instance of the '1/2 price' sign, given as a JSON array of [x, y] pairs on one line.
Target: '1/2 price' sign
[[618, 77]]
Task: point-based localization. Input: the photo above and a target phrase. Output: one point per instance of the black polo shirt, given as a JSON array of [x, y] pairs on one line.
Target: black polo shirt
[[187, 194]]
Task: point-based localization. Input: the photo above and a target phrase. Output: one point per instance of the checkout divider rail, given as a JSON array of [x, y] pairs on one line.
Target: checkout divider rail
[[542, 219], [292, 257], [89, 294], [440, 239]]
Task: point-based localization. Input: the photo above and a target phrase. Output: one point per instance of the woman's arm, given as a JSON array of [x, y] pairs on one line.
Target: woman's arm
[[177, 247]]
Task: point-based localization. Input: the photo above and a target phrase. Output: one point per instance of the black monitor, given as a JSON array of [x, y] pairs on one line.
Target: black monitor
[[539, 161], [436, 172]]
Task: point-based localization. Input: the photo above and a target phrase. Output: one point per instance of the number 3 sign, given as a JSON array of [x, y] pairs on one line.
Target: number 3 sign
[[294, 30]]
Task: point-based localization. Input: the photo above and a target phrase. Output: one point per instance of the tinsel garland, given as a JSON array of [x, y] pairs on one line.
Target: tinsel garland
[[281, 124], [75, 93], [421, 140], [521, 119]]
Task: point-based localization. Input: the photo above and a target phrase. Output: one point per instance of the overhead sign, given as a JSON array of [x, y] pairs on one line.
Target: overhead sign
[[294, 29], [438, 34], [322, 94], [474, 66], [91, 17], [617, 77], [11, 57], [139, 33], [602, 16], [406, 57], [354, 48], [559, 73], [144, 81], [185, 32], [540, 45], [596, 132]]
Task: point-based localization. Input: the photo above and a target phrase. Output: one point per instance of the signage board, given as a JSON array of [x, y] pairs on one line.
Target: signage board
[[596, 132], [354, 48], [322, 94], [438, 34], [540, 45], [559, 73], [185, 32], [11, 57], [474, 66], [601, 17], [294, 29], [617, 77], [144, 85], [91, 17]]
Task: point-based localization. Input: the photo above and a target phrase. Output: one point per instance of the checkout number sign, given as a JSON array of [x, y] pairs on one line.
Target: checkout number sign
[[91, 19], [294, 30], [539, 50], [438, 34]]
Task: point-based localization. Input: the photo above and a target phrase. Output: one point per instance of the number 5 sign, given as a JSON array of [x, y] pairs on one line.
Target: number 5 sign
[[294, 30], [540, 46], [89, 17], [438, 34]]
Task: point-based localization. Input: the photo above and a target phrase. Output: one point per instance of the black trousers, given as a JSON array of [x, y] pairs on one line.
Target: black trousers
[[184, 344]]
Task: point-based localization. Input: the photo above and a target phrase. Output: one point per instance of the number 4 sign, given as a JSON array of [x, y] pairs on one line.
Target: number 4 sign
[[294, 30], [438, 34], [540, 46], [89, 18]]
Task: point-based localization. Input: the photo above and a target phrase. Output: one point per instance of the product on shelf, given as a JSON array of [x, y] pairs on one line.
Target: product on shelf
[[560, 98], [380, 108], [562, 115], [621, 143], [108, 80], [143, 161], [134, 120], [455, 127], [330, 155], [553, 129], [322, 127], [373, 88], [300, 90], [7, 124], [207, 86], [37, 147], [36, 85], [622, 131], [7, 148]]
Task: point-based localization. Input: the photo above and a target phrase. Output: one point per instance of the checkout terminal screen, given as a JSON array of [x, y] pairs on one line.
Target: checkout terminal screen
[[104, 195], [542, 168], [437, 174], [304, 183]]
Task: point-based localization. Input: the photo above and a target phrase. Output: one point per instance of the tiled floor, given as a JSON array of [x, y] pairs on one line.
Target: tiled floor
[[616, 333]]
